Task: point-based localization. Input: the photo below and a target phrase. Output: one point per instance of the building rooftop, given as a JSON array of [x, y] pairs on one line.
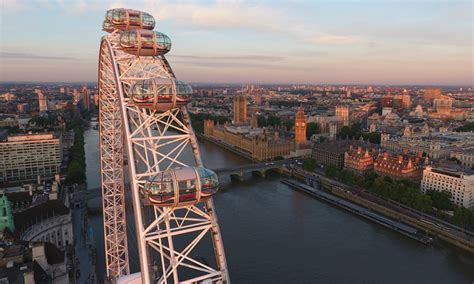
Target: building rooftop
[[30, 137], [47, 208], [452, 171]]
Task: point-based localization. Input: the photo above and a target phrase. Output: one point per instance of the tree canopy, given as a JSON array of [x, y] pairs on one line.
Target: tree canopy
[[331, 171], [76, 170], [441, 199], [312, 128], [466, 127], [309, 164], [463, 217], [355, 131]]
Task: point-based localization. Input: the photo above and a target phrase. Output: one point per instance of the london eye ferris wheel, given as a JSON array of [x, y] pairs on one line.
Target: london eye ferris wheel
[[143, 117]]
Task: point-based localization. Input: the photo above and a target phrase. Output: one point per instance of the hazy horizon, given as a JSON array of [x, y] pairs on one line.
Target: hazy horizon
[[425, 42]]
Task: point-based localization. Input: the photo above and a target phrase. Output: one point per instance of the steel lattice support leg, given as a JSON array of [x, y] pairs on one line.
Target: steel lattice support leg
[[111, 152]]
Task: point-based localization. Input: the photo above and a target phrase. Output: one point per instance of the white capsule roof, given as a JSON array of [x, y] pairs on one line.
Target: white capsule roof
[[127, 19]]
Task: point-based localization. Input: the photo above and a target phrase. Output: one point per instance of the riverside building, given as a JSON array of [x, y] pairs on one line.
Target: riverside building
[[399, 166], [459, 184], [258, 144]]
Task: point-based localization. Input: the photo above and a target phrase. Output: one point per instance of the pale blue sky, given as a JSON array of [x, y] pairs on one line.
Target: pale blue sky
[[367, 42]]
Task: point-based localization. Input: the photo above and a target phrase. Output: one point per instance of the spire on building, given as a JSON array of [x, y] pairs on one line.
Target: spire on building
[[239, 107], [300, 126], [253, 122]]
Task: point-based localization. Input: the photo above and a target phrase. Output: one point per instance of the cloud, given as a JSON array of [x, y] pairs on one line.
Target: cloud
[[221, 64], [217, 15], [11, 5], [265, 58], [243, 15], [264, 18], [333, 39], [18, 55], [227, 61]]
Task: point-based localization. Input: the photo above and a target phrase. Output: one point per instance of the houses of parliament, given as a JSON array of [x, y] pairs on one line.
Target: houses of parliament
[[256, 143]]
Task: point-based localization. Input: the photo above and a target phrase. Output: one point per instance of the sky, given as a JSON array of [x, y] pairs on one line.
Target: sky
[[384, 42]]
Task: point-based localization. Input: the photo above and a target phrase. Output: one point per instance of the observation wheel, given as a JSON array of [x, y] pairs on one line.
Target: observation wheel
[[142, 112]]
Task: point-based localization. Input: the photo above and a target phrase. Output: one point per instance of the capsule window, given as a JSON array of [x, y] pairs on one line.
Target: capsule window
[[187, 185], [163, 41], [109, 15], [134, 19], [148, 20], [143, 90], [147, 41], [161, 187], [117, 15]]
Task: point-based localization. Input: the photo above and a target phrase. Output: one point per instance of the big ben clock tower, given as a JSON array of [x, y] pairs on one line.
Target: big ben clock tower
[[300, 127]]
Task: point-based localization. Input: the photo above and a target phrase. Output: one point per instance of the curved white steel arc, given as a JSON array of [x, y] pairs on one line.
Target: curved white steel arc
[[144, 267], [112, 176], [155, 142]]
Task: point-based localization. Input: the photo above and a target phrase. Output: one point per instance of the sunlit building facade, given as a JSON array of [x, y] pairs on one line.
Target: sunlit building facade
[[239, 107], [459, 184], [26, 157]]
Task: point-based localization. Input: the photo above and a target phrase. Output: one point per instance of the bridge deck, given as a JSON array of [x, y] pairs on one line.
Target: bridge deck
[[97, 192]]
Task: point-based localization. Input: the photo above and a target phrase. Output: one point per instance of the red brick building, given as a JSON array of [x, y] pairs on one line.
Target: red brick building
[[399, 166], [360, 160]]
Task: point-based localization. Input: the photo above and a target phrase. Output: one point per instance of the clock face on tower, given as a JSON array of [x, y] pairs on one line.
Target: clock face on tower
[[303, 124], [297, 124]]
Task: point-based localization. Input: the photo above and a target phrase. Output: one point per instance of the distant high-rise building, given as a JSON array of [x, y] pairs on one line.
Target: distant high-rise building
[[443, 105], [23, 108], [343, 113], [300, 126], [43, 104], [96, 100], [432, 94], [239, 107], [257, 98], [26, 157], [406, 100], [87, 98], [76, 95], [62, 90]]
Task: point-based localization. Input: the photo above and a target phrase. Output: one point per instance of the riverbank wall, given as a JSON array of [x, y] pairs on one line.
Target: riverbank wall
[[343, 191]]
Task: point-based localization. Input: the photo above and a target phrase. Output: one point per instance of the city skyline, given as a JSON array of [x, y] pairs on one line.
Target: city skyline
[[142, 178], [346, 42]]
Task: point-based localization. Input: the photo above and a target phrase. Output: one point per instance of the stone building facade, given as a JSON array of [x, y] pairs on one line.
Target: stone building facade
[[300, 127], [259, 145], [239, 108], [330, 153]]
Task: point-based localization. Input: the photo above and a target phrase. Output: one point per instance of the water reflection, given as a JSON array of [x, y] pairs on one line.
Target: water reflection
[[275, 235]]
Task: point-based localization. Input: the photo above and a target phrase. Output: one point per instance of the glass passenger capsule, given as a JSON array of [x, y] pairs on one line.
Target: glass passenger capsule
[[157, 93], [180, 186], [145, 42], [127, 19]]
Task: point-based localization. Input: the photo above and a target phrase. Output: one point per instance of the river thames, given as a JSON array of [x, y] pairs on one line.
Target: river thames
[[273, 234]]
